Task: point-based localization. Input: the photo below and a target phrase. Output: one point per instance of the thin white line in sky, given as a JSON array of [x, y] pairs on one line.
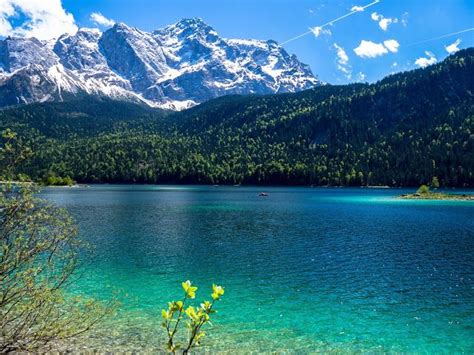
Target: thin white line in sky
[[441, 37], [332, 21]]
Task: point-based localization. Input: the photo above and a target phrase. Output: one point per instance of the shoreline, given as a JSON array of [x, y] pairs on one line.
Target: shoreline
[[437, 196], [386, 187]]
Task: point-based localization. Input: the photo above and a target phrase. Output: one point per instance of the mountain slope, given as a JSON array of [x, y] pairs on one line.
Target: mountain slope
[[175, 67], [401, 131]]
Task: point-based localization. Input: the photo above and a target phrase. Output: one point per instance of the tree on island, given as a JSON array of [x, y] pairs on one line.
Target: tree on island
[[423, 190], [435, 182], [38, 261]]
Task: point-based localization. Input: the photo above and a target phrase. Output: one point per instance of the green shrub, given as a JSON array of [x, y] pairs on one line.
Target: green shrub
[[38, 260], [423, 190], [51, 179]]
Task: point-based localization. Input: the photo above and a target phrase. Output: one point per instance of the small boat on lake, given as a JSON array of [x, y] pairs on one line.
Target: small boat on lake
[[263, 194]]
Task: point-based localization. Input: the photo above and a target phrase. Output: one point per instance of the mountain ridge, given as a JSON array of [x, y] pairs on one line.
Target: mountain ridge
[[175, 67]]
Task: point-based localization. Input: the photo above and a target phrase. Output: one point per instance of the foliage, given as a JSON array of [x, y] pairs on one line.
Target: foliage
[[434, 182], [197, 317], [51, 179], [424, 193], [423, 190], [400, 131], [12, 153], [38, 261]]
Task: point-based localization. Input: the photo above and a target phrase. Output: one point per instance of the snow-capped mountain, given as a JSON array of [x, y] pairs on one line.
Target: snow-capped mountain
[[175, 67]]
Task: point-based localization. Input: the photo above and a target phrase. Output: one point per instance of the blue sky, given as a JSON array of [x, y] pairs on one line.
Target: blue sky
[[363, 46]]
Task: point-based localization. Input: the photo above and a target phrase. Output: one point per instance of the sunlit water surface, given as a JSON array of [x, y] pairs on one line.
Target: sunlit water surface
[[305, 269]]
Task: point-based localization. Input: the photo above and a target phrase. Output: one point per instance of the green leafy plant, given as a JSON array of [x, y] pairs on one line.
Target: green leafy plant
[[196, 317], [423, 190]]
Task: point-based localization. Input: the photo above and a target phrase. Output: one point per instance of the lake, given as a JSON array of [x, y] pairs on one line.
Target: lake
[[304, 269]]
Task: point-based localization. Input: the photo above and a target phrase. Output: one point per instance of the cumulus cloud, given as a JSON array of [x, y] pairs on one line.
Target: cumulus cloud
[[101, 20], [357, 8], [423, 62], [317, 31], [43, 19], [392, 45], [343, 61], [453, 47], [384, 22], [369, 49]]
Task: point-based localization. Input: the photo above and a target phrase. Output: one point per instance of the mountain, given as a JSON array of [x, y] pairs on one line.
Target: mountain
[[400, 131], [175, 67]]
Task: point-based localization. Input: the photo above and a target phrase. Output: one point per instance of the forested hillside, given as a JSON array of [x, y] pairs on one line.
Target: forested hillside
[[400, 131]]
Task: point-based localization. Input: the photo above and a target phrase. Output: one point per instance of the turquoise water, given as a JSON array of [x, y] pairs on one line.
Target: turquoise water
[[305, 269]]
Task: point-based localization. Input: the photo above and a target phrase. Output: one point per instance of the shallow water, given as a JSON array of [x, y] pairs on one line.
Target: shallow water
[[305, 269]]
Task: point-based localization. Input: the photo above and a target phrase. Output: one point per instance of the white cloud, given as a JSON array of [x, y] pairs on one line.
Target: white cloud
[[375, 16], [343, 61], [317, 31], [101, 20], [453, 47], [384, 22], [361, 76], [5, 28], [357, 8], [425, 61], [369, 49], [405, 19], [342, 56], [44, 19], [392, 45]]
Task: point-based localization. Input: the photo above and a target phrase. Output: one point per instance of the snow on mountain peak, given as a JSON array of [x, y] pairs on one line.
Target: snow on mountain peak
[[190, 26], [175, 67]]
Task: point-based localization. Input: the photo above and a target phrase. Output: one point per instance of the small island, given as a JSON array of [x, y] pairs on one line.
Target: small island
[[425, 193]]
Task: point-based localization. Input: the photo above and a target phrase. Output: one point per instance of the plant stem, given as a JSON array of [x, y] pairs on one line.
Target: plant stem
[[170, 341], [196, 330]]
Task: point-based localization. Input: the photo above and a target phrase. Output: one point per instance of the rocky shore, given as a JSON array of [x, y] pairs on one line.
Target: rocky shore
[[437, 196]]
